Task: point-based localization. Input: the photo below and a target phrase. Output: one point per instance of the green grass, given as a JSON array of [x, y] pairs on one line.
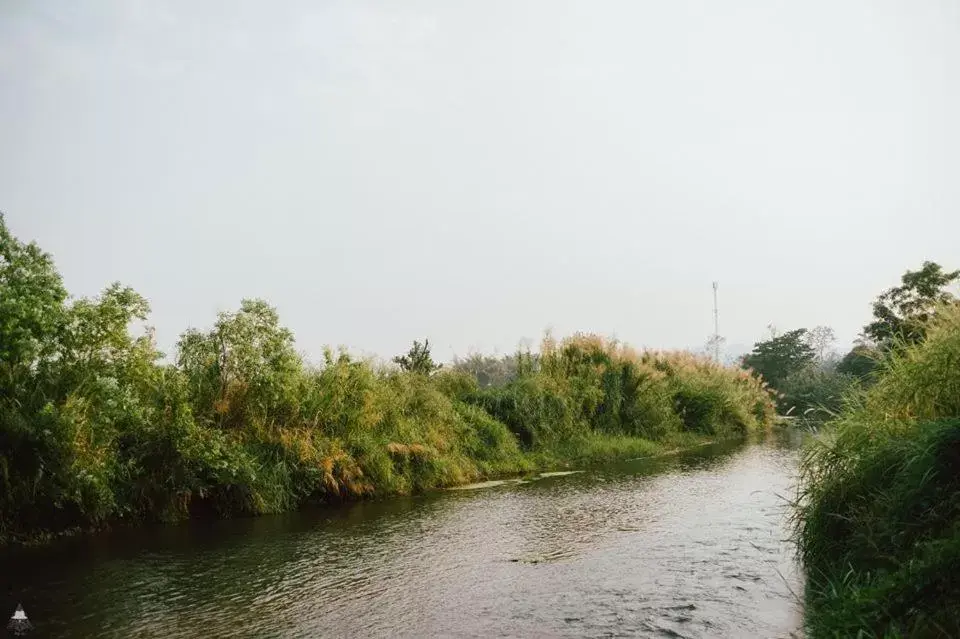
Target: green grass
[[878, 521]]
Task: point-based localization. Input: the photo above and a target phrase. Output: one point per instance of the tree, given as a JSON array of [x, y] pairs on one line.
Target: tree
[[417, 359], [245, 371], [778, 357], [714, 346], [488, 370], [860, 362], [903, 311], [75, 386], [32, 300], [819, 338], [95, 339]]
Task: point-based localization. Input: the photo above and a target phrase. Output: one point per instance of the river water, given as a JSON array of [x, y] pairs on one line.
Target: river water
[[689, 545]]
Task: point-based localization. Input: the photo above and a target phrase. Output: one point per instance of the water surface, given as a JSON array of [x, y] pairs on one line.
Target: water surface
[[690, 545]]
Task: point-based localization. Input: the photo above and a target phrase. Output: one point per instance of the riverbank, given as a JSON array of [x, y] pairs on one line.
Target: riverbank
[[422, 433], [97, 429], [878, 523], [598, 450], [647, 547]]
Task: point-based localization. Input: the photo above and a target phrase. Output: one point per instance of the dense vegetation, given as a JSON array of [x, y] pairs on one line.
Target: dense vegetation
[[97, 427], [811, 381], [808, 379], [878, 521]]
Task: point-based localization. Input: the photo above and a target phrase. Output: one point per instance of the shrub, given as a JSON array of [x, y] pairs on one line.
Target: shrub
[[536, 409], [714, 399], [815, 392]]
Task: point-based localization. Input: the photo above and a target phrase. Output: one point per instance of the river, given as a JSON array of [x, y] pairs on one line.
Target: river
[[688, 545]]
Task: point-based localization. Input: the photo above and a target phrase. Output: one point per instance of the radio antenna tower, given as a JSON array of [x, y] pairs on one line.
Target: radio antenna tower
[[716, 325]]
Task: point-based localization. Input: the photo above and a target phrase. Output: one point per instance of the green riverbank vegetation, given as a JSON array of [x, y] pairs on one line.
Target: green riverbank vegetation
[[809, 380], [98, 428], [812, 381], [878, 517]]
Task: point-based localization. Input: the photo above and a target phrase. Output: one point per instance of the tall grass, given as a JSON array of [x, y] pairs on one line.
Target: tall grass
[[190, 444], [589, 392], [878, 522]]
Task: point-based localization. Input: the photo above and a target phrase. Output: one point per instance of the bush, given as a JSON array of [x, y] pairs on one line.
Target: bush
[[536, 409], [589, 385], [488, 441], [816, 393], [713, 399]]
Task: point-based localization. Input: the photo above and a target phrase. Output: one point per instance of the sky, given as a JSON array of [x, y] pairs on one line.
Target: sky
[[478, 172]]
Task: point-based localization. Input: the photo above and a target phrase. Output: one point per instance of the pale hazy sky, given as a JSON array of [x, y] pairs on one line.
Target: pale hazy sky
[[475, 171]]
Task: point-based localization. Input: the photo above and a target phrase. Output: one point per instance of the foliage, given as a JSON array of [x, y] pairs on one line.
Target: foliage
[[418, 359], [587, 384], [878, 523], [96, 430], [536, 409], [816, 392], [802, 368], [31, 307], [860, 362], [489, 370], [243, 371], [713, 399], [780, 356], [902, 312]]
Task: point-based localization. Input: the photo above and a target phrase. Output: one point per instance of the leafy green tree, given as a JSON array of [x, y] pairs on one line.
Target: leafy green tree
[[95, 339], [902, 312], [860, 362], [245, 371], [418, 359], [31, 310], [73, 383], [31, 316], [103, 382], [778, 357]]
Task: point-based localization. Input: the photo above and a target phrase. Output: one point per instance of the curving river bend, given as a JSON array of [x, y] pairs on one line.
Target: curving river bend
[[689, 545]]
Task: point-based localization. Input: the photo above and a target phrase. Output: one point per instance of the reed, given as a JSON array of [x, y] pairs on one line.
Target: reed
[[878, 518]]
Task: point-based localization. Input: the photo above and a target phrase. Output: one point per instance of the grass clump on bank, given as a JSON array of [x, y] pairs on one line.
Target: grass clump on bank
[[878, 523], [96, 428]]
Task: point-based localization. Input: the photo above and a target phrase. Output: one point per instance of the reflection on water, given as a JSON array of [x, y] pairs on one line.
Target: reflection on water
[[689, 545]]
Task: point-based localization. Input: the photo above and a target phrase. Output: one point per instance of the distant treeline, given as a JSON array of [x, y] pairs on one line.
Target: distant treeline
[[812, 381], [95, 428]]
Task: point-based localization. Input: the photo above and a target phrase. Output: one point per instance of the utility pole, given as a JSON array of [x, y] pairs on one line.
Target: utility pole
[[716, 325]]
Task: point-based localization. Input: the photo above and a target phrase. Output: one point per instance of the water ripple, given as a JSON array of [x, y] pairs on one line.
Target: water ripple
[[686, 547]]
